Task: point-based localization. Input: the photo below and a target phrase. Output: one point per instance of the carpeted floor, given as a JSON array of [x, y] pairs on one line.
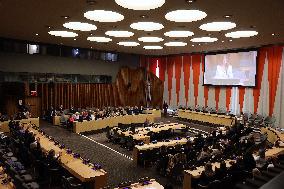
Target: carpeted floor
[[118, 167]]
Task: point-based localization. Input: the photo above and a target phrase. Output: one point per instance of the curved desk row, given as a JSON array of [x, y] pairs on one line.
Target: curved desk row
[[4, 126], [152, 146], [189, 174], [272, 134], [152, 185], [83, 172], [206, 117], [98, 124]]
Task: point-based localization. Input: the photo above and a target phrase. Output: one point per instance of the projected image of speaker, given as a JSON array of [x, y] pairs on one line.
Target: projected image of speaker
[[231, 69]]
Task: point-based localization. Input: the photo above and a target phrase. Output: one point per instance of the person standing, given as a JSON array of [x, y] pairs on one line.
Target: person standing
[[165, 108]]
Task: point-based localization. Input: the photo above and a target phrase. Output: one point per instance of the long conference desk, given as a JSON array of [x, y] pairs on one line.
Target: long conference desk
[[206, 117], [4, 126], [189, 174], [141, 133], [152, 185], [156, 113], [151, 146], [98, 124], [272, 134], [94, 178]]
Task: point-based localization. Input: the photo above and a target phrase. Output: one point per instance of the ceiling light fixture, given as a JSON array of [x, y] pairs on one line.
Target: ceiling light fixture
[[273, 34], [103, 16], [217, 26], [239, 34], [150, 39], [176, 33], [79, 26], [99, 39], [128, 43], [153, 47], [91, 2], [143, 16], [63, 33], [189, 1], [185, 15], [147, 26], [227, 16], [176, 44], [140, 4], [36, 34], [74, 39], [66, 17], [118, 33], [204, 39]]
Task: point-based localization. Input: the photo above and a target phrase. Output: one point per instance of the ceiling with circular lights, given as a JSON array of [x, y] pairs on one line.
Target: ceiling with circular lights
[[148, 27]]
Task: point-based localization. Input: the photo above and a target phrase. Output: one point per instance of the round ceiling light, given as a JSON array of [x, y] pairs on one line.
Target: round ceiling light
[[63, 33], [179, 33], [99, 39], [176, 44], [217, 26], [140, 4], [204, 39], [185, 15], [128, 43], [152, 47], [239, 34], [147, 26], [118, 33], [80, 26], [103, 16], [150, 39]]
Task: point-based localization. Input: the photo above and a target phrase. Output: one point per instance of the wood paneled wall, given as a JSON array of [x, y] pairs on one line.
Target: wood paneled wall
[[127, 90], [77, 95], [131, 84]]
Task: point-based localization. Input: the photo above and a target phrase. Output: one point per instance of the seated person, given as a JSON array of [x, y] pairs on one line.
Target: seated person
[[72, 110], [249, 162], [52, 159], [3, 117], [222, 171], [207, 176], [260, 159], [146, 123], [204, 154]]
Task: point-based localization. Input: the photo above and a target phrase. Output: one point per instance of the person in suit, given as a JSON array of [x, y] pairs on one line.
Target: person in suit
[[165, 108], [2, 117], [207, 175], [249, 162], [61, 109], [52, 159], [222, 171]]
